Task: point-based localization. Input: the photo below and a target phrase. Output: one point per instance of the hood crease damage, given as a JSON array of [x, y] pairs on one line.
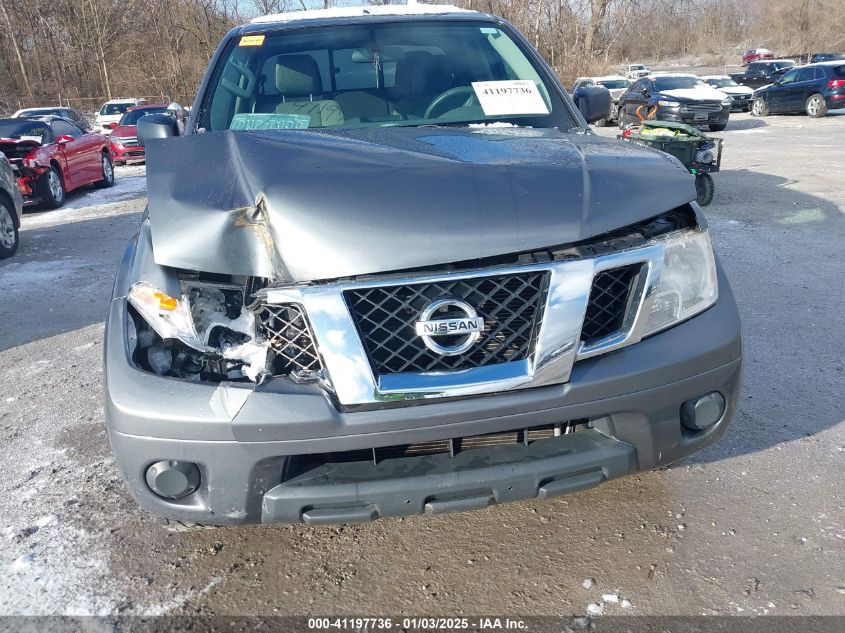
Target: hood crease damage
[[304, 205]]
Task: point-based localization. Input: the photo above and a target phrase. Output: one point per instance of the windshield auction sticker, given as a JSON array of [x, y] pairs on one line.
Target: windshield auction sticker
[[517, 96]]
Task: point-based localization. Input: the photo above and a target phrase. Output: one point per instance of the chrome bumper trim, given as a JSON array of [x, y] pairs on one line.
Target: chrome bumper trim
[[349, 375]]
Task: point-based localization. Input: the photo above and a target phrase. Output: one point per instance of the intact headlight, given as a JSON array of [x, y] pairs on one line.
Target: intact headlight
[[668, 104], [687, 284], [727, 101], [168, 316]]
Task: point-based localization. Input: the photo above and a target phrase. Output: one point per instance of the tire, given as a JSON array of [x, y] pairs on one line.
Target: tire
[[717, 127], [51, 189], [107, 167], [759, 107], [704, 189], [9, 237], [815, 106]]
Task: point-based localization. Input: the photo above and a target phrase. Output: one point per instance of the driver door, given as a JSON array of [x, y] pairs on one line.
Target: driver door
[[779, 92]]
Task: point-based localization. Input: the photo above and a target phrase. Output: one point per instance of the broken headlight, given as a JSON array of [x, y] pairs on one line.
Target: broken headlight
[[168, 316], [211, 321], [687, 284]]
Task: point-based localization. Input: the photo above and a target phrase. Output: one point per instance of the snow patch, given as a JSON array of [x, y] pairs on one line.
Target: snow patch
[[24, 561], [595, 609]]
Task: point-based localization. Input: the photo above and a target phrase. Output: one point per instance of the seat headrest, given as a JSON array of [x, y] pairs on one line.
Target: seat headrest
[[297, 76], [421, 73]]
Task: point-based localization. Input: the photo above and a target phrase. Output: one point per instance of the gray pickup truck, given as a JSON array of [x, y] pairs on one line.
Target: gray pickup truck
[[389, 270]]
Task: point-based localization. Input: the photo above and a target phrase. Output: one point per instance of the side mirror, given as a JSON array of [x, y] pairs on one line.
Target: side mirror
[[594, 102], [153, 126], [644, 92], [64, 138]]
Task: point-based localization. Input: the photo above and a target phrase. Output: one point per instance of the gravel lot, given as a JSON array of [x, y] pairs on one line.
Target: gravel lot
[[753, 525]]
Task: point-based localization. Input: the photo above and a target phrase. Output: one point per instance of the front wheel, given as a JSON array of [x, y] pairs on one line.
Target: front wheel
[[815, 106], [704, 189], [51, 189], [107, 168], [8, 231], [759, 107], [717, 127]]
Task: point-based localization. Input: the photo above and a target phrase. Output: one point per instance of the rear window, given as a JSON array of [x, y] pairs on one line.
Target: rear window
[[26, 131]]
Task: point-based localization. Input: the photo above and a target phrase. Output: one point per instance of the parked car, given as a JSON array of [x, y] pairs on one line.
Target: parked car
[[11, 206], [815, 58], [756, 54], [123, 140], [675, 97], [112, 110], [741, 96], [51, 156], [71, 114], [421, 345], [634, 71], [616, 84], [759, 74], [813, 89]]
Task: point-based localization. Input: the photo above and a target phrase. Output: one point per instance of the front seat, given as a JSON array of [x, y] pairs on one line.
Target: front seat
[[298, 82], [420, 77]]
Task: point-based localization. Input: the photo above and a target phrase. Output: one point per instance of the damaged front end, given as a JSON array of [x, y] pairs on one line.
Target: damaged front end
[[216, 331]]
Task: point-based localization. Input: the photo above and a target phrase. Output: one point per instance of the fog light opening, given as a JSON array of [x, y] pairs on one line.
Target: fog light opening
[[172, 479], [703, 412]]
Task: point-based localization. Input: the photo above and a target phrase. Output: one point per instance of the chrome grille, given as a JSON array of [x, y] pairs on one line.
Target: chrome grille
[[130, 141], [608, 302], [289, 334], [511, 306], [702, 107]]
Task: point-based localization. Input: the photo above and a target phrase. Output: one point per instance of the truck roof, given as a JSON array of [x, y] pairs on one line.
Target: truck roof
[[412, 8]]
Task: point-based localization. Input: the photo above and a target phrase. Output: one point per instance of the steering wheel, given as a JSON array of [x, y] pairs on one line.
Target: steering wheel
[[449, 94]]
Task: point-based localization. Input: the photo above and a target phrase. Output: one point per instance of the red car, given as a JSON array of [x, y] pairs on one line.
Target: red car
[[51, 156], [755, 54], [123, 141]]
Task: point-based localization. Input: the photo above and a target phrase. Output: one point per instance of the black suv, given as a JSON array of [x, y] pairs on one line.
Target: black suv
[[762, 73], [813, 89]]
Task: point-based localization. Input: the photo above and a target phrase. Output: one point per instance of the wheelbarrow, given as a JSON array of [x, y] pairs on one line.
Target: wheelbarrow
[[699, 153]]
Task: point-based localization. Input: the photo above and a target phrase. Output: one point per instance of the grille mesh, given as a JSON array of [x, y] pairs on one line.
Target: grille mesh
[[511, 306], [608, 302], [287, 330]]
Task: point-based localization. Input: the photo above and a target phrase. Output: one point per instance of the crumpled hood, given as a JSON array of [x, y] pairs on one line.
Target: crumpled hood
[[304, 205], [702, 93]]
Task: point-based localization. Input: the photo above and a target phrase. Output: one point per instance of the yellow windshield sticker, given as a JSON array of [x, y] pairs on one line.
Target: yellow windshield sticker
[[251, 40]]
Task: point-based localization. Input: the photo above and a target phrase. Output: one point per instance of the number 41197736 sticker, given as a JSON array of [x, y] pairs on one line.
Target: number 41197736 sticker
[[515, 96]]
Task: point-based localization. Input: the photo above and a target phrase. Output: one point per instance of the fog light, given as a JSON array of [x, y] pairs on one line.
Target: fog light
[[173, 479], [702, 412]]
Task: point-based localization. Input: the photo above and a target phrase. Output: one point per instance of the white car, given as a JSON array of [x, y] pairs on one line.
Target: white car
[[741, 96], [112, 110], [634, 71]]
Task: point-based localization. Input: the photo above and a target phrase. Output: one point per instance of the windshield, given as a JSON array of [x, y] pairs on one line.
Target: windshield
[[115, 108], [787, 64], [25, 130], [676, 83], [399, 74], [614, 84], [722, 83], [131, 117]]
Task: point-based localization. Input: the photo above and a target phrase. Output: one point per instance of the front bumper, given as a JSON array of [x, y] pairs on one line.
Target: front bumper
[[124, 153], [685, 114], [245, 438]]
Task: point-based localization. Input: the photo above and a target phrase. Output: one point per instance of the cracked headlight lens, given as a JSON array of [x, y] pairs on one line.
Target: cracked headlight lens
[[687, 284], [168, 316]]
